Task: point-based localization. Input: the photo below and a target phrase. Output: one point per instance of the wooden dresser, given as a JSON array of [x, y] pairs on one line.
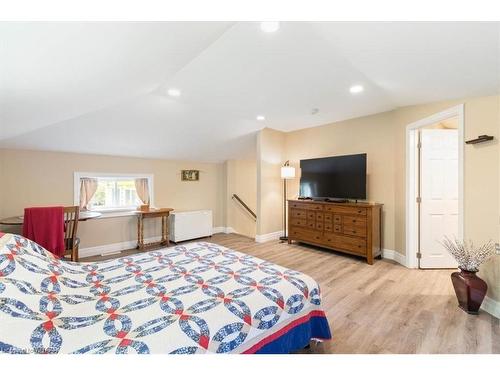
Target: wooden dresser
[[352, 228]]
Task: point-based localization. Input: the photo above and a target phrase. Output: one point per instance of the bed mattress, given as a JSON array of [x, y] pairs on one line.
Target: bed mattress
[[193, 298]]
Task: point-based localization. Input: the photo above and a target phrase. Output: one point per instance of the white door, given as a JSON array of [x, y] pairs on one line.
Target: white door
[[439, 196]]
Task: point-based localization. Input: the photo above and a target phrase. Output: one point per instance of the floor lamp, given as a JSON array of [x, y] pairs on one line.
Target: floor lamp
[[287, 173]]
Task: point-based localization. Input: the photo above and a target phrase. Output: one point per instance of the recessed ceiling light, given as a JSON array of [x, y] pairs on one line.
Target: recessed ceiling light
[[174, 92], [260, 118], [356, 89], [269, 26]]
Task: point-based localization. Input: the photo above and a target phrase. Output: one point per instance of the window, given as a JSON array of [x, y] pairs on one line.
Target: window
[[112, 192]]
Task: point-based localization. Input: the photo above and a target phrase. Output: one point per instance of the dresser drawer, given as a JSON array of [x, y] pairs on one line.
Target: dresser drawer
[[301, 214], [319, 216], [306, 206], [337, 219], [319, 225], [337, 228], [328, 217], [328, 227], [311, 224], [297, 205], [298, 222], [354, 231], [345, 210], [311, 215], [305, 235], [351, 244], [315, 207], [348, 210], [355, 221]]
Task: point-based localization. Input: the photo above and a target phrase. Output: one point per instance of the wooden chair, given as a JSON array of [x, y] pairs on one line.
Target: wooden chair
[[71, 241]]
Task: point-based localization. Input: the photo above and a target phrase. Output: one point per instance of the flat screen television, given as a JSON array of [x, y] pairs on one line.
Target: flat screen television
[[336, 177]]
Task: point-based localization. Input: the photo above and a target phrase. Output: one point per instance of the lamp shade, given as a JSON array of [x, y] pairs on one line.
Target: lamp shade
[[287, 172]]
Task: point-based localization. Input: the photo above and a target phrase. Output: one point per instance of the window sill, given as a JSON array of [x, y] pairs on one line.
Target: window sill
[[111, 214]]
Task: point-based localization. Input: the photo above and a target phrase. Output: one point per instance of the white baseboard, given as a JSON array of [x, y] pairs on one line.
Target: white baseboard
[[127, 245], [491, 306], [112, 247], [268, 236], [395, 256], [226, 230]]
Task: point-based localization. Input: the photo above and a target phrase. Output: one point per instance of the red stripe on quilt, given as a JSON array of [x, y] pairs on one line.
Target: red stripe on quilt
[[284, 330]]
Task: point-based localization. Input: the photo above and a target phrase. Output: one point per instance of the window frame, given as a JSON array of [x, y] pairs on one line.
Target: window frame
[[77, 176]]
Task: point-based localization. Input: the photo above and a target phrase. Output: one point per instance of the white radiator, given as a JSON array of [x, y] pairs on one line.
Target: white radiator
[[188, 225]]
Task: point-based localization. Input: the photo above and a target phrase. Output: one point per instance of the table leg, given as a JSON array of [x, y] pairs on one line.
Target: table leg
[[162, 229], [165, 240], [167, 232], [140, 233]]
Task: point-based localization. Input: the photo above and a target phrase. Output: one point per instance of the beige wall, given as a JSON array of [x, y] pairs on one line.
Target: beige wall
[[383, 138], [373, 135], [33, 178], [481, 176], [241, 178], [270, 153]]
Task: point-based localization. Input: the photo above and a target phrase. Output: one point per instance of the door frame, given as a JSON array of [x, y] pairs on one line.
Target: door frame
[[411, 178]]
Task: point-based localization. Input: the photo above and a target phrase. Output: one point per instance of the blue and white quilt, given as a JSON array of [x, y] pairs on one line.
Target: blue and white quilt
[[194, 298]]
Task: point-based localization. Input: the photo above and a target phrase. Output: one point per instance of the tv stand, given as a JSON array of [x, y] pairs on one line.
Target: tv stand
[[353, 228]]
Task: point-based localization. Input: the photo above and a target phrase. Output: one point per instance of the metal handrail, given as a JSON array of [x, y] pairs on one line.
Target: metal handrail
[[245, 206]]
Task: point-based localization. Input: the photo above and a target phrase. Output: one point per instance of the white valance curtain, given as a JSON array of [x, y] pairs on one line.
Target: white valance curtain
[[88, 187], [142, 189]]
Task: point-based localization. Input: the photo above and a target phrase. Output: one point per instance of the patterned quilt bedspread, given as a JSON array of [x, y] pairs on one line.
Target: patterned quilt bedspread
[[194, 298]]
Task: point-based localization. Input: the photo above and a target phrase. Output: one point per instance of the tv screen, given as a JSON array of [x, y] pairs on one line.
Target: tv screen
[[341, 177]]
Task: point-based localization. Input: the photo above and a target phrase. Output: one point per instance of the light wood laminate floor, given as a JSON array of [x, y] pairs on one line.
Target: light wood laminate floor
[[383, 308]]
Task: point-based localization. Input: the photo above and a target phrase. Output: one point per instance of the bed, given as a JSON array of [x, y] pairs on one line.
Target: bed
[[193, 298]]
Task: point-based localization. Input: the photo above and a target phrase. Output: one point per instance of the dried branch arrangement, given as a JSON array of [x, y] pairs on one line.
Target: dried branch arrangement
[[468, 256]]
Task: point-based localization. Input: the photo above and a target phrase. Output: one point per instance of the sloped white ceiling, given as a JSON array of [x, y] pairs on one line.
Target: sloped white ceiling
[[101, 87]]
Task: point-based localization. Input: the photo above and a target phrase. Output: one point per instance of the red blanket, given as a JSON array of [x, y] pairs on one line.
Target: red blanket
[[45, 226]]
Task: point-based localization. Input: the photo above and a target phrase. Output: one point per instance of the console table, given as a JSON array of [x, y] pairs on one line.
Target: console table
[[353, 228], [162, 213]]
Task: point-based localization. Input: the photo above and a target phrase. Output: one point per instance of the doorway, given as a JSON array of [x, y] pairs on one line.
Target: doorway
[[434, 188]]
